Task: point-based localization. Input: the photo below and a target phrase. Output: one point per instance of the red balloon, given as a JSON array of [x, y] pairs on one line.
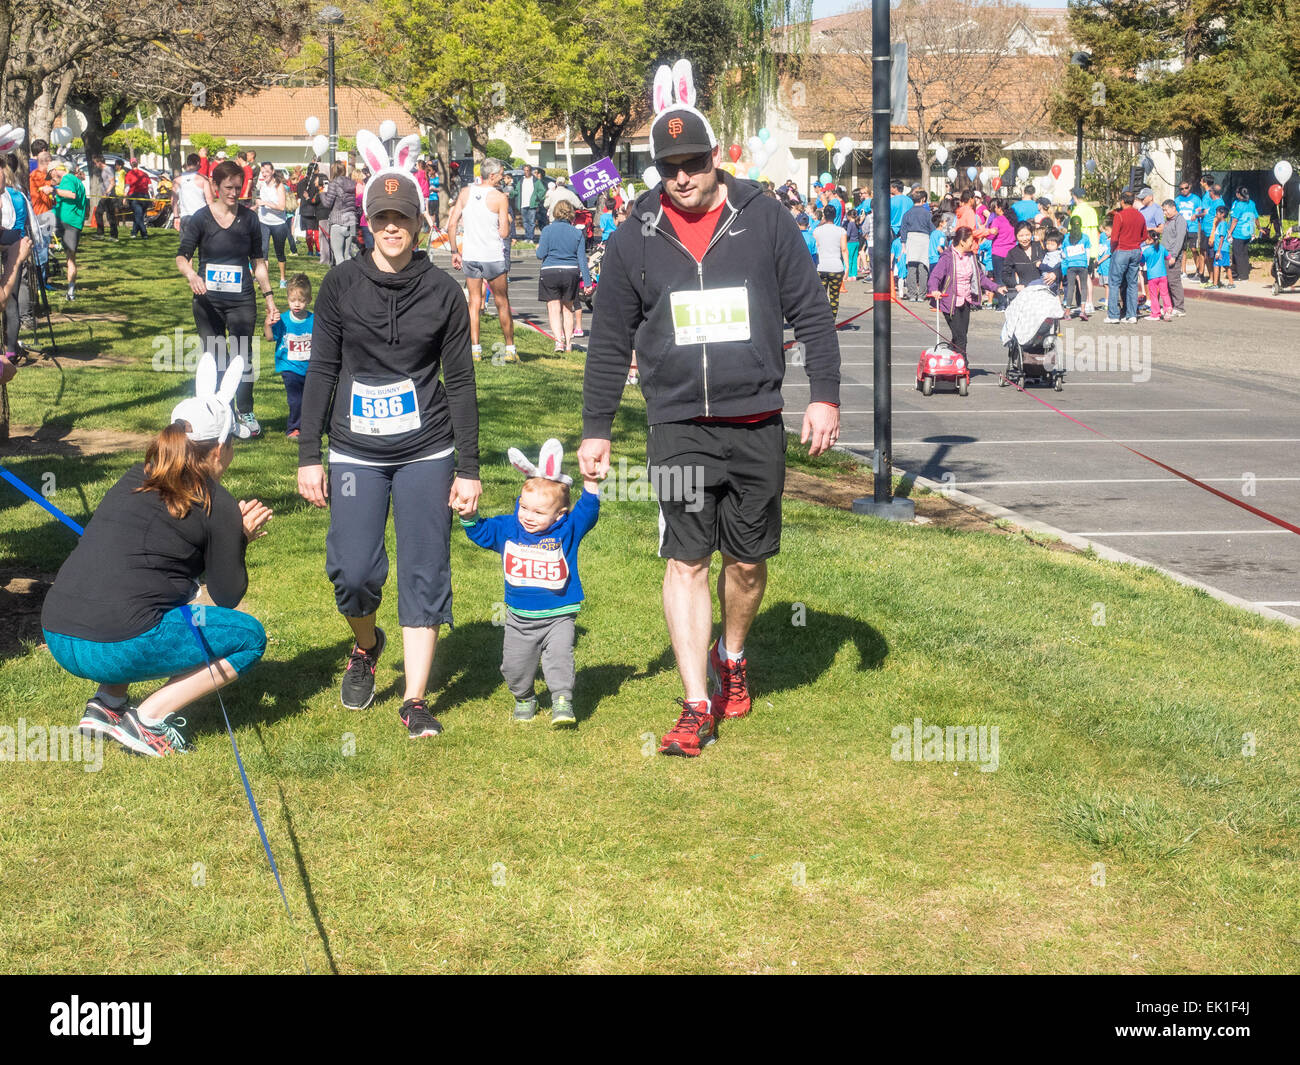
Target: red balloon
[[996, 183], [1056, 170], [1275, 193], [735, 151]]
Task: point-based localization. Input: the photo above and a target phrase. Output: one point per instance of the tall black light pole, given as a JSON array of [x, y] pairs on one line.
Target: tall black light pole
[[332, 16], [881, 504], [1082, 60]]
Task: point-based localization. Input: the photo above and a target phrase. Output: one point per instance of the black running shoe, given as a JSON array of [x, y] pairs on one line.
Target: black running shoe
[[101, 718], [155, 741], [417, 719], [358, 689]]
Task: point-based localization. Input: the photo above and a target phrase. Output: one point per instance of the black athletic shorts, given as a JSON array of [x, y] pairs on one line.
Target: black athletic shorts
[[1206, 245], [719, 487], [558, 285]]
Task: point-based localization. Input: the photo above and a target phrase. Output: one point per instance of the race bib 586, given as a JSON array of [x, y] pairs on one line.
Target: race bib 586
[[384, 410]]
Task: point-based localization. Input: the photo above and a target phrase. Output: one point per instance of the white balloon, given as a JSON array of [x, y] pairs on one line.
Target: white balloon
[[755, 145], [838, 160], [76, 122], [320, 144], [1023, 173], [387, 129], [1282, 171], [313, 126], [952, 174], [650, 176], [941, 155], [1045, 183], [846, 144]]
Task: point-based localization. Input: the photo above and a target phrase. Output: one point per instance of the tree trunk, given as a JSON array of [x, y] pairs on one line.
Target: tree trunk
[[1192, 157], [21, 94], [171, 116]]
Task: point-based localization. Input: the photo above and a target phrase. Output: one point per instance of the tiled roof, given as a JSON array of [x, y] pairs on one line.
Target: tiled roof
[[279, 113]]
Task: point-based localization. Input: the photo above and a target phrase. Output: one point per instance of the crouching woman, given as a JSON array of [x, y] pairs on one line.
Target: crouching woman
[[117, 613]]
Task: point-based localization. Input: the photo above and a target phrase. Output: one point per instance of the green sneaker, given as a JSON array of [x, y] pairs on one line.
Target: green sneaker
[[525, 710], [562, 712]]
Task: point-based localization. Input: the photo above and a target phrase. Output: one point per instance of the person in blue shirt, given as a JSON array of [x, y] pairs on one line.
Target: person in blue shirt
[[899, 205], [607, 221], [1076, 249], [1187, 204], [1025, 209], [1222, 247], [807, 235], [897, 260], [538, 544], [939, 237], [1244, 215], [1211, 201], [292, 336], [1154, 261]]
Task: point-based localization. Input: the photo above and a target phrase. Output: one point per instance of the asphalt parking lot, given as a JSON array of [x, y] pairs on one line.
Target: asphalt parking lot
[[1215, 394]]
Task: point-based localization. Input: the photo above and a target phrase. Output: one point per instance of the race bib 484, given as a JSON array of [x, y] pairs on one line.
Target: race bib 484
[[221, 277]]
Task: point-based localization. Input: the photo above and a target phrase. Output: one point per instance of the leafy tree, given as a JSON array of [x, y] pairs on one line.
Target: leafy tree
[[1160, 68]]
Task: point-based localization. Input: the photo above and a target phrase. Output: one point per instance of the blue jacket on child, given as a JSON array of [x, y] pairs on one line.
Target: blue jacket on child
[[541, 569]]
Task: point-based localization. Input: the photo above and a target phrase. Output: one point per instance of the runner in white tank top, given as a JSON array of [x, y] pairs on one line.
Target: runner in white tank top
[[192, 190], [483, 212]]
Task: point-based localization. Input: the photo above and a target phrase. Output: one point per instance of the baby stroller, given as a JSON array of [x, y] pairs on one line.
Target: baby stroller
[[1031, 334], [1286, 262]]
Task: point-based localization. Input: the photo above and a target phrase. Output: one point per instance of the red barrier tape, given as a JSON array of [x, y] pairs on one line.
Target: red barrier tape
[[1156, 462]]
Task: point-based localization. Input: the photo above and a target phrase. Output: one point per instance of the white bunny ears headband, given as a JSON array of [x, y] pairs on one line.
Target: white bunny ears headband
[[674, 92], [383, 167], [208, 412], [548, 462]]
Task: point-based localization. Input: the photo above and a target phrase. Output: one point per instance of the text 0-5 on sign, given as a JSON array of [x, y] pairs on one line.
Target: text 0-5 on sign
[[384, 410], [711, 315]]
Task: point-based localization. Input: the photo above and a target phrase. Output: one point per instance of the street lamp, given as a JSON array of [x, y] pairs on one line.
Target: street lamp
[[332, 16], [1082, 60]]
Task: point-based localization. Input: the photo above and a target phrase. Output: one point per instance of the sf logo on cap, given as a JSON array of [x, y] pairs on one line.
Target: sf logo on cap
[[674, 127], [390, 186]]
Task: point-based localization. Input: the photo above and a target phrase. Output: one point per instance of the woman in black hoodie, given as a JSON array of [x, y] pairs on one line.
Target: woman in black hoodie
[[386, 323]]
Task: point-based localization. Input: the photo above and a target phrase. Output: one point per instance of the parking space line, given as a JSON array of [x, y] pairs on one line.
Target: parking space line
[[1191, 532], [1121, 440], [1117, 480]]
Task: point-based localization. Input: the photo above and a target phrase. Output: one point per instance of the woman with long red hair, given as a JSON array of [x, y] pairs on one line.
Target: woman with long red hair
[[117, 613]]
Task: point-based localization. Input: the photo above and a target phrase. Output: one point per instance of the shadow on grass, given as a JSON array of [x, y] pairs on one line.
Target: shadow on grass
[[793, 645]]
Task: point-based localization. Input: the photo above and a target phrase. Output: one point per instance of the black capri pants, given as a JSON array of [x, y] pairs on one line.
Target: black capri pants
[[227, 330], [356, 556]]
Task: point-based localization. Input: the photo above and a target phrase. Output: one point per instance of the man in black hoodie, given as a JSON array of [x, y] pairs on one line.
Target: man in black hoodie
[[386, 324], [699, 285]]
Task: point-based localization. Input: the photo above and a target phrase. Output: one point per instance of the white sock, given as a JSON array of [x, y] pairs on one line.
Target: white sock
[[728, 655], [476, 349], [113, 702], [510, 348]]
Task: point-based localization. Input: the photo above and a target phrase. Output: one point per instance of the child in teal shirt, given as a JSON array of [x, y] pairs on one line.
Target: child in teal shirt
[[292, 336]]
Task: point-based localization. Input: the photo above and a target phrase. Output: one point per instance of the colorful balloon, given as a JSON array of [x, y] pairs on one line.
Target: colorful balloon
[[1004, 164], [1056, 171], [828, 140], [1275, 193], [735, 151], [764, 134], [971, 172], [1090, 166], [1282, 171], [753, 173], [996, 183]]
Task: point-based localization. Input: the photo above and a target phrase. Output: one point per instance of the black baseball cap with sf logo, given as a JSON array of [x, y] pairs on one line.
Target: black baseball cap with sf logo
[[681, 130], [392, 191]]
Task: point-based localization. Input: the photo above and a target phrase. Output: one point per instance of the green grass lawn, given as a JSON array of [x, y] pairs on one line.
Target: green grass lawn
[[1124, 829]]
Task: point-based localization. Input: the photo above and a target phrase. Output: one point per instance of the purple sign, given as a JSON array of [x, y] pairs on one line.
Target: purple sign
[[592, 180]]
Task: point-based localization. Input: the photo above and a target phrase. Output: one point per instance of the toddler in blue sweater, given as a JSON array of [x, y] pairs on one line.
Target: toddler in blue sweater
[[538, 544]]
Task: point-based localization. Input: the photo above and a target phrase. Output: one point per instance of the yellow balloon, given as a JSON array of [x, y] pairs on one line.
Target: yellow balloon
[[828, 139], [1004, 164]]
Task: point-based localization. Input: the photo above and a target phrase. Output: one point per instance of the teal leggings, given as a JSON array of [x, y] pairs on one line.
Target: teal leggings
[[169, 649]]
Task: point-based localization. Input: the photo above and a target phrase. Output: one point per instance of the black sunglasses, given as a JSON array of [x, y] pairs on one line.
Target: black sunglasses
[[695, 164]]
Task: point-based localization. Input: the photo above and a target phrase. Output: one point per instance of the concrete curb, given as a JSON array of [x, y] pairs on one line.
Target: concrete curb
[[1277, 303], [993, 510]]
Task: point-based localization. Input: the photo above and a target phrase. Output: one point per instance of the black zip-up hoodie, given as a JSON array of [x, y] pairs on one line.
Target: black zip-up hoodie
[[756, 245], [393, 327]]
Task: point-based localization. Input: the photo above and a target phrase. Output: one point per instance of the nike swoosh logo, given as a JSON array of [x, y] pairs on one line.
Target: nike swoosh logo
[[737, 232]]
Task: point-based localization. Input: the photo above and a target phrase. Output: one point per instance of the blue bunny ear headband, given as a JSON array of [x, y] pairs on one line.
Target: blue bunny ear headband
[[548, 463]]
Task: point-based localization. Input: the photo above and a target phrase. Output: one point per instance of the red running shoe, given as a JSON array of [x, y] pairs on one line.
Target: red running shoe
[[730, 685], [695, 730]]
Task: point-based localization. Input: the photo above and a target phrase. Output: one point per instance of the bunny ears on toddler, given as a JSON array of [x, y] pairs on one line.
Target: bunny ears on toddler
[[548, 463], [11, 138], [678, 129], [208, 412], [391, 186]]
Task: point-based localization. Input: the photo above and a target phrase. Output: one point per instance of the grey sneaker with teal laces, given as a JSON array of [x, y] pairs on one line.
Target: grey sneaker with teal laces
[[525, 710], [562, 715]]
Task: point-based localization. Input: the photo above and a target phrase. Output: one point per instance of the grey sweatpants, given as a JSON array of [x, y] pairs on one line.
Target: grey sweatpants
[[530, 639]]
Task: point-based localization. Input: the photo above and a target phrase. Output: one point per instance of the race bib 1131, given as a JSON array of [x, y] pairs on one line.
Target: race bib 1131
[[711, 315]]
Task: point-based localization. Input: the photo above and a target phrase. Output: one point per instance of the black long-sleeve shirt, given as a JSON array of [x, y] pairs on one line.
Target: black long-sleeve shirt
[[384, 401], [135, 562]]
